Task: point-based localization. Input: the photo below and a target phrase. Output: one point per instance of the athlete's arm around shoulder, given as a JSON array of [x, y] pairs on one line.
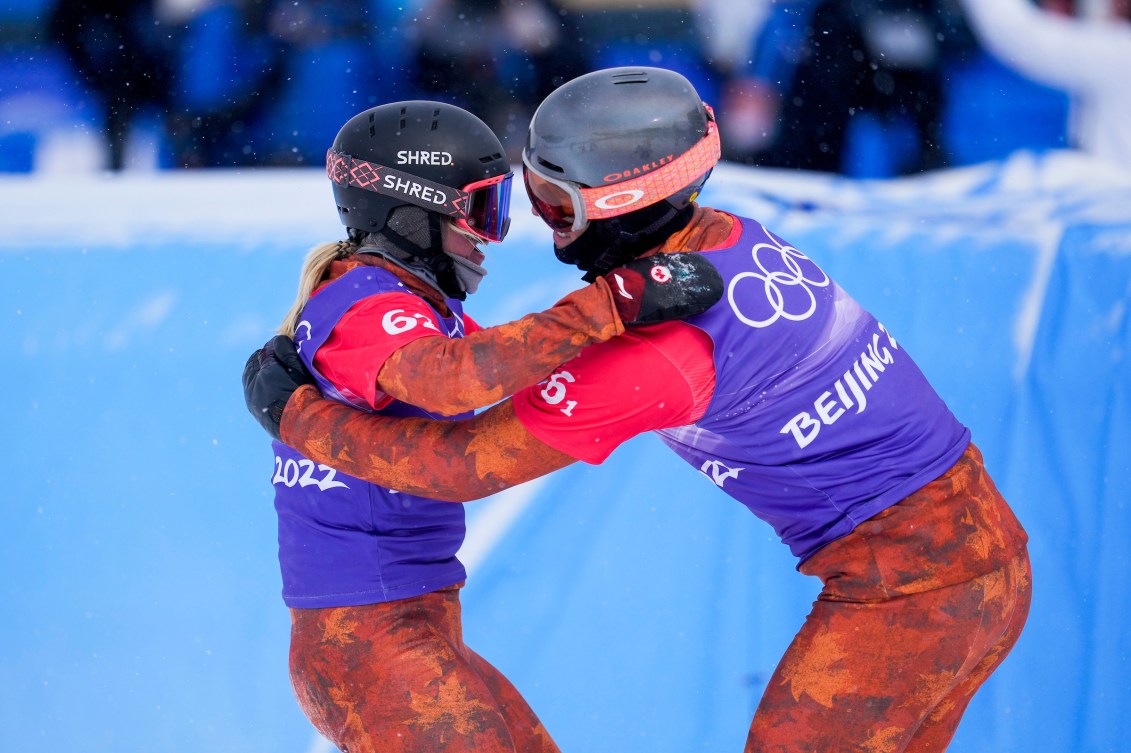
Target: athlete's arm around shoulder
[[453, 375], [449, 377], [396, 346]]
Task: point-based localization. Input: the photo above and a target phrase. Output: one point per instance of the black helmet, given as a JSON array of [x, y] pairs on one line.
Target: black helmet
[[616, 141], [426, 154]]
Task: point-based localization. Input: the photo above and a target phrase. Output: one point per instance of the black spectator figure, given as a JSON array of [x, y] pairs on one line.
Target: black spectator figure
[[228, 71], [121, 51], [496, 58], [883, 58]]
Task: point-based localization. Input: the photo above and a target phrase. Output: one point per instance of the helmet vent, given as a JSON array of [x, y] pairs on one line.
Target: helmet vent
[[550, 165], [404, 122], [372, 126], [435, 119], [490, 158], [630, 77]]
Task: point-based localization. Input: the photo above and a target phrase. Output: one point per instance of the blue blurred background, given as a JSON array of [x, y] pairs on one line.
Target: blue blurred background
[[635, 607], [891, 87]]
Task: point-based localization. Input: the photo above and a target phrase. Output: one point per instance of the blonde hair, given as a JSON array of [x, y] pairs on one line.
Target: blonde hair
[[314, 267]]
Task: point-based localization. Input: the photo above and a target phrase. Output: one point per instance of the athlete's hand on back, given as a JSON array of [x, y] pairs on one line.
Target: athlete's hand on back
[[663, 287], [270, 377]]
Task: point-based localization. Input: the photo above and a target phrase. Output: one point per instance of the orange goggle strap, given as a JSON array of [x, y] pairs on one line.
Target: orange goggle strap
[[411, 189], [657, 181]]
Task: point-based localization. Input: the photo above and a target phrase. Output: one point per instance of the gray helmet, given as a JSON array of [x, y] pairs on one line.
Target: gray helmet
[[609, 127]]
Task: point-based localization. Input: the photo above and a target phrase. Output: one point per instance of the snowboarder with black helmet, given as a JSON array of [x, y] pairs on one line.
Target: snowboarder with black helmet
[[788, 396], [370, 573]]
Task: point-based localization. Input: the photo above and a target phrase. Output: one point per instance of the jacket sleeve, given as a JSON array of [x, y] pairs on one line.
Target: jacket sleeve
[[450, 376], [455, 461]]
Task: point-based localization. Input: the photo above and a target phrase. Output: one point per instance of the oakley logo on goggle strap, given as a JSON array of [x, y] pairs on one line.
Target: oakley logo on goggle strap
[[639, 170], [656, 180], [356, 173], [619, 200]]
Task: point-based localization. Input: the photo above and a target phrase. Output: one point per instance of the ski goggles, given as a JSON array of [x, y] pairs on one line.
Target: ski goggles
[[481, 208], [564, 205]]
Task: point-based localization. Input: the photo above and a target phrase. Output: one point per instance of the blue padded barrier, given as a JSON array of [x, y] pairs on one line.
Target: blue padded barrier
[[636, 607]]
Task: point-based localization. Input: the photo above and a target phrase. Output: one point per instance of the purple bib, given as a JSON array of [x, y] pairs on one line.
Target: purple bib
[[344, 541], [819, 419]]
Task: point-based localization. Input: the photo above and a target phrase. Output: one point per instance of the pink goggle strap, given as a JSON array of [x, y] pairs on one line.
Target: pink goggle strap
[[356, 173]]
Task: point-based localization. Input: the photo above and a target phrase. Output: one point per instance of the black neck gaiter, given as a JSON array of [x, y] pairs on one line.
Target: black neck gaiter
[[606, 244], [413, 238]]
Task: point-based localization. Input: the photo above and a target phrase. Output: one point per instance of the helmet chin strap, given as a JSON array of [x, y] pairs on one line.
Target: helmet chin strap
[[609, 243], [413, 239]]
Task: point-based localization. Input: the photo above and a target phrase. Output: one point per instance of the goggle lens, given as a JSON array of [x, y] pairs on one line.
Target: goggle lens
[[488, 207], [552, 203]]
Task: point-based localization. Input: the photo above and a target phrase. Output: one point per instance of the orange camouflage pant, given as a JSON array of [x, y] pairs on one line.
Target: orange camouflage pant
[[920, 605], [398, 678]]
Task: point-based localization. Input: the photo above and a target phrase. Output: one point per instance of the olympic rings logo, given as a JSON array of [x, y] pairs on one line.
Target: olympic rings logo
[[787, 269]]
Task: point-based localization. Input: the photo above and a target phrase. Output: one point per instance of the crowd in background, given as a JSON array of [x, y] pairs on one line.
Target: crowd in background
[[866, 87]]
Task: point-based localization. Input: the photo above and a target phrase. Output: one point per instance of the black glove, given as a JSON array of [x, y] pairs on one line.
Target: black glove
[[663, 287], [271, 376]]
